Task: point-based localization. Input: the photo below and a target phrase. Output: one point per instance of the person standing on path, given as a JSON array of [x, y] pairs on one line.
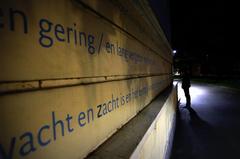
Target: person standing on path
[[186, 84]]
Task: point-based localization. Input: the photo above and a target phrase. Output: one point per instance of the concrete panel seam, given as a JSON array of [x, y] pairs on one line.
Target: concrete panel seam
[[22, 86]]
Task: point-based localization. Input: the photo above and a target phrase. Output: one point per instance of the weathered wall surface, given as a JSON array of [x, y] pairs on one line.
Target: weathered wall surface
[[73, 72], [66, 40]]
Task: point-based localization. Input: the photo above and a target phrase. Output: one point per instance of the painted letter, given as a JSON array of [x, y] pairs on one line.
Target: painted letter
[[10, 153], [28, 147], [40, 141]]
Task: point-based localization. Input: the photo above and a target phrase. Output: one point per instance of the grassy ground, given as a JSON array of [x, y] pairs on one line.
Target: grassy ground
[[232, 83]]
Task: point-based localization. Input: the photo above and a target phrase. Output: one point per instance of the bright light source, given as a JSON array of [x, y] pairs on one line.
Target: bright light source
[[196, 93], [175, 83], [177, 73], [174, 51]]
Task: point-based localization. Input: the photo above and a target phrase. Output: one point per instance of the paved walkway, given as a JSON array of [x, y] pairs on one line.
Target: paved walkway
[[211, 130]]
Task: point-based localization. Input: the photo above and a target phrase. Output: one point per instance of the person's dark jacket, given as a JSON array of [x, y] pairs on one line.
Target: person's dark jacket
[[186, 81]]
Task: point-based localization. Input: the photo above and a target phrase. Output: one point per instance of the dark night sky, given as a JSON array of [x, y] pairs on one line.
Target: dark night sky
[[198, 26], [195, 28]]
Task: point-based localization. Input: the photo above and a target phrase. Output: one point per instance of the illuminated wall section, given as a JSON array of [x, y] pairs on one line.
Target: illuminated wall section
[[156, 142], [73, 72]]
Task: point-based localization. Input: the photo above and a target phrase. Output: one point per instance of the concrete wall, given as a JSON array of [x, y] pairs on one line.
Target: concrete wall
[[157, 141], [73, 72]]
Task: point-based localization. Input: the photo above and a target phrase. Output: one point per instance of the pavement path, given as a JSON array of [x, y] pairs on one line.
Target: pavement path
[[211, 129]]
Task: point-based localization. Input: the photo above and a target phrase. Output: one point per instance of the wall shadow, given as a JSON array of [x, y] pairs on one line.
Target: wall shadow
[[195, 138]]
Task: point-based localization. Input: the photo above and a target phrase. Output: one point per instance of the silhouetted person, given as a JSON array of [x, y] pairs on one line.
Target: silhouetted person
[[185, 86]]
